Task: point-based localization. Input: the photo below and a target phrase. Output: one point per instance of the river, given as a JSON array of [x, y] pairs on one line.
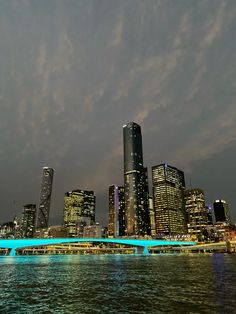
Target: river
[[118, 284]]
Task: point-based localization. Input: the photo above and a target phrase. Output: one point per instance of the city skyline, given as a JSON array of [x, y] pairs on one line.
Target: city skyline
[[84, 70], [133, 149]]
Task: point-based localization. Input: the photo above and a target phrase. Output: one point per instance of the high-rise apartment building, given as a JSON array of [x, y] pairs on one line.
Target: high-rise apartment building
[[196, 210], [116, 219], [27, 226], [79, 207], [168, 197], [221, 210], [137, 220], [45, 198]]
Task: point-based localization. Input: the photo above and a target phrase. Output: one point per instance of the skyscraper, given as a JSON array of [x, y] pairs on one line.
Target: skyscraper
[[79, 208], [116, 219], [137, 220], [168, 197], [27, 226], [196, 210], [221, 210], [45, 197]]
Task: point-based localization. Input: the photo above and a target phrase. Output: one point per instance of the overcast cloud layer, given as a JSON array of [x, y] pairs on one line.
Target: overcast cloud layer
[[74, 72]]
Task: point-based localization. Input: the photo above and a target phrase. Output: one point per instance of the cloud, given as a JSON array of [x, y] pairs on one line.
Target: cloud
[[73, 73], [116, 38]]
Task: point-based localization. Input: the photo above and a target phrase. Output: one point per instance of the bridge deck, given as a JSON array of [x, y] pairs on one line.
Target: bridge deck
[[138, 243]]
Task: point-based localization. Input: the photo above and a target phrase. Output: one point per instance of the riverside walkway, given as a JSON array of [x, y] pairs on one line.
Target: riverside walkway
[[140, 244]]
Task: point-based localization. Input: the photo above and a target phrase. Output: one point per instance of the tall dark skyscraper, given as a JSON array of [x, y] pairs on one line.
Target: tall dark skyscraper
[[168, 197], [45, 197], [116, 219], [27, 226], [137, 220], [221, 210]]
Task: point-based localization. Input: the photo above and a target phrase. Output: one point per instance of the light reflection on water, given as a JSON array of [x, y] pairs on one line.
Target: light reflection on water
[[118, 284]]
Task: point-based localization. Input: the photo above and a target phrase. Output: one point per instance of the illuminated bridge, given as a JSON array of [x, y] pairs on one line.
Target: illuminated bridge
[[140, 245]]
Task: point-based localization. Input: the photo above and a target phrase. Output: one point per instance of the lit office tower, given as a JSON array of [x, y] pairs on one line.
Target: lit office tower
[[79, 209], [116, 219], [137, 220], [196, 210], [168, 198], [27, 226], [221, 210], [45, 198]]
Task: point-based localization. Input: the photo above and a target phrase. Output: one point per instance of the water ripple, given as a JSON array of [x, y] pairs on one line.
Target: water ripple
[[118, 284]]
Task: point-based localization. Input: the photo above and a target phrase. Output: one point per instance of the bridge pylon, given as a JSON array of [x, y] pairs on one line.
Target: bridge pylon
[[141, 250]]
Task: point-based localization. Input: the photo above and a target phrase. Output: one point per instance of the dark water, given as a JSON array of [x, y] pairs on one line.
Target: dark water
[[118, 284]]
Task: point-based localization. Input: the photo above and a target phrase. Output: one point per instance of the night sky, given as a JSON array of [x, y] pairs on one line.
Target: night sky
[[74, 72]]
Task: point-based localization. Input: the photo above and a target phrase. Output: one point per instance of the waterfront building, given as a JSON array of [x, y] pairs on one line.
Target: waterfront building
[[137, 220], [81, 224], [57, 232], [168, 198], [51, 232], [78, 205], [10, 229], [105, 232], [94, 231], [41, 233], [196, 210], [45, 198], [152, 216], [28, 220], [221, 210], [116, 219]]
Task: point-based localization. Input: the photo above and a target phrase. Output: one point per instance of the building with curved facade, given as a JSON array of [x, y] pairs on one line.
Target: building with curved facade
[[137, 220]]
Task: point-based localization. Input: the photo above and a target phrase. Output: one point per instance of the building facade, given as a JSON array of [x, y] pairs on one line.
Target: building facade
[[168, 198], [10, 229], [79, 206], [137, 220], [28, 221], [221, 210], [196, 210], [116, 219], [45, 198], [209, 215], [94, 231], [152, 216]]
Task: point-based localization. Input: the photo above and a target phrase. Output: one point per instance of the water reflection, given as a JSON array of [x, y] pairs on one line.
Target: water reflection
[[118, 284], [224, 276]]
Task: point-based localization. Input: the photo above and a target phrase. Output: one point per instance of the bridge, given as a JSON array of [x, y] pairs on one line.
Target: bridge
[[140, 245], [228, 246]]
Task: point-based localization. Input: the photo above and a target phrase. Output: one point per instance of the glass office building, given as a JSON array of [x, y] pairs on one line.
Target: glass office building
[[79, 208], [196, 210], [168, 198]]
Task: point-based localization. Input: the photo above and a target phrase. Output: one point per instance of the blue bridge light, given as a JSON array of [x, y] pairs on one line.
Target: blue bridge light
[[141, 245]]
